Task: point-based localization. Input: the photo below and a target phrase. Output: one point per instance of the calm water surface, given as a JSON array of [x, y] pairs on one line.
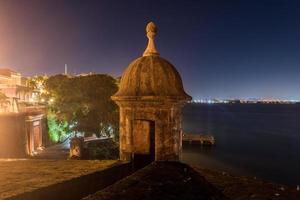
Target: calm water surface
[[256, 140]]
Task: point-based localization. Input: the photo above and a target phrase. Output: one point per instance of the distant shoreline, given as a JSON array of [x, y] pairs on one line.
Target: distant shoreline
[[248, 103]]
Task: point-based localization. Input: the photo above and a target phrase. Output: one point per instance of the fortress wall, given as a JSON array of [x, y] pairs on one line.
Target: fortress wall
[[13, 138]]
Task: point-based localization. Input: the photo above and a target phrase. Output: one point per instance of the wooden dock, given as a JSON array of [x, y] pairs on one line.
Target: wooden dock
[[198, 138]]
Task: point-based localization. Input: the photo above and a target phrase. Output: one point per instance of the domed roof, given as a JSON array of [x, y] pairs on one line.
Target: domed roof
[[151, 76]]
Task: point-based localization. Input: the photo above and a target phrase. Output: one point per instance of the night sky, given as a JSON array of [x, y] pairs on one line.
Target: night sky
[[223, 49]]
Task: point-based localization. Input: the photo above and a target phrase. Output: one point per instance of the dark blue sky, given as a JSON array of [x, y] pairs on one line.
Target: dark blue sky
[[223, 49]]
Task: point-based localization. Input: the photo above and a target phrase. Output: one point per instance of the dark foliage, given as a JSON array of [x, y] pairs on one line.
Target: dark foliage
[[84, 102]]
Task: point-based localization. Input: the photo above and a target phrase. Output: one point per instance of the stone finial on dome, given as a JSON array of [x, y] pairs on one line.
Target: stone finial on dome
[[151, 32]]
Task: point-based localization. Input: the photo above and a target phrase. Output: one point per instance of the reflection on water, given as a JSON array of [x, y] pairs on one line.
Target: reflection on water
[[196, 154], [258, 140]]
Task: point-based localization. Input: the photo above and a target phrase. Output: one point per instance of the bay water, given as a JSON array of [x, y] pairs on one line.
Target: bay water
[[261, 140]]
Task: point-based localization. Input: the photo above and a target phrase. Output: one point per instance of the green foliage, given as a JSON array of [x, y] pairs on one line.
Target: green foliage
[[36, 82], [84, 102], [58, 130]]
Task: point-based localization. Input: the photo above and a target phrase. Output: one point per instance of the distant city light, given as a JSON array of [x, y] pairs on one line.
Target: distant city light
[[244, 101]]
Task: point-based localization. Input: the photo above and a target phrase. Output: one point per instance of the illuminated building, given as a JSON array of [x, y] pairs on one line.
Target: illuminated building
[[22, 122]]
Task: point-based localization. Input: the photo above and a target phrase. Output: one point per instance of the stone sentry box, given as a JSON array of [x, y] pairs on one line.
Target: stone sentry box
[[150, 97]]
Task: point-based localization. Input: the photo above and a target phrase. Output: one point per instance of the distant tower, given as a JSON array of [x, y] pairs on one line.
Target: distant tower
[[150, 97], [66, 69]]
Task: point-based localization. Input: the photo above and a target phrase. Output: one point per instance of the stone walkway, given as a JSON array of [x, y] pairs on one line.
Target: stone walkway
[[161, 181], [55, 152], [18, 176]]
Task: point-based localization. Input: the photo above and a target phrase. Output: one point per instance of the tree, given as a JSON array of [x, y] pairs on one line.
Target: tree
[[58, 130], [37, 83], [84, 102]]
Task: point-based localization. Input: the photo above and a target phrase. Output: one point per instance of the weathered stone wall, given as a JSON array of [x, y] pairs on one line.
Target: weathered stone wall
[[20, 135], [13, 138], [167, 131], [76, 147]]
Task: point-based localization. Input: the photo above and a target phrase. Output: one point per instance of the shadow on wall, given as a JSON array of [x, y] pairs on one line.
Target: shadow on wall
[[21, 134], [12, 136], [80, 187]]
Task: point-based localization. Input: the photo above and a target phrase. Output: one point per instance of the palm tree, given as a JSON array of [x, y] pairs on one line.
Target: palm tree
[[3, 101]]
